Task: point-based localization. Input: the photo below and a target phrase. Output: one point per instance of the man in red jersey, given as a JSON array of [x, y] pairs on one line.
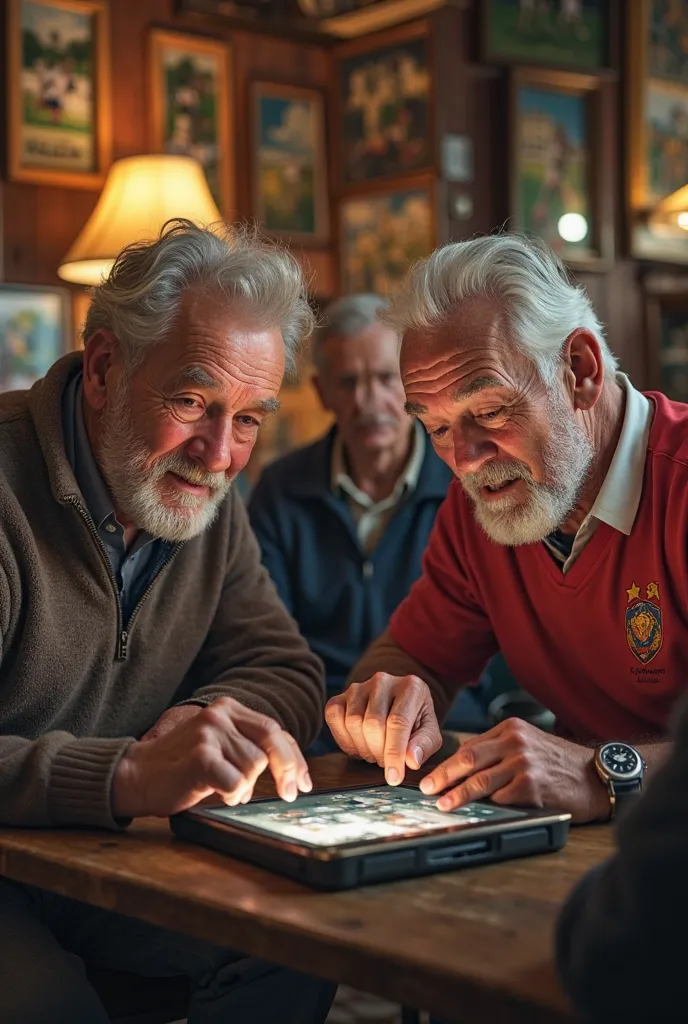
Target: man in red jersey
[[562, 542]]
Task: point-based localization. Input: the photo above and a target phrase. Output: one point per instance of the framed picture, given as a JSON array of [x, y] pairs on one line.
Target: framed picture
[[561, 164], [289, 172], [666, 323], [190, 106], [382, 235], [657, 122], [59, 92], [385, 102], [35, 330], [573, 34]]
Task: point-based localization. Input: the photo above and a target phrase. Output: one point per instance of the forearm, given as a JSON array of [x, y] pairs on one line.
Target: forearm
[[58, 779], [385, 655]]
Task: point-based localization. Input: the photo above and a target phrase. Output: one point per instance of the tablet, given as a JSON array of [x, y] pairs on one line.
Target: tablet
[[345, 838]]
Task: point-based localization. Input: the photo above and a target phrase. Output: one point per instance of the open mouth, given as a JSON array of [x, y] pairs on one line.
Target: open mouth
[[494, 490]]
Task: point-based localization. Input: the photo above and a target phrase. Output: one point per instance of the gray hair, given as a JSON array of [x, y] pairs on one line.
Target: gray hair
[[524, 278], [141, 297], [343, 318]]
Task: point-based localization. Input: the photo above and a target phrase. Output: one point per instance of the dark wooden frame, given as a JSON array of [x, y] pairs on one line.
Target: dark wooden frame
[[423, 182], [160, 39], [642, 242], [608, 68], [101, 97], [257, 88], [599, 93], [411, 32], [661, 291]]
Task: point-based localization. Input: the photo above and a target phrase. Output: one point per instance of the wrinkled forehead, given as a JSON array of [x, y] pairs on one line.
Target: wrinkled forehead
[[475, 336]]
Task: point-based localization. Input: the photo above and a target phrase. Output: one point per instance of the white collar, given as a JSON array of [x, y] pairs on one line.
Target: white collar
[[619, 496]]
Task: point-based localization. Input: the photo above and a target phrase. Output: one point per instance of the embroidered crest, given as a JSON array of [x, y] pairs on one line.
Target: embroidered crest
[[644, 622]]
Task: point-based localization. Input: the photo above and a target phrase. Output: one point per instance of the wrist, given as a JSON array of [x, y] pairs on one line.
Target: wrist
[[125, 793], [601, 805]]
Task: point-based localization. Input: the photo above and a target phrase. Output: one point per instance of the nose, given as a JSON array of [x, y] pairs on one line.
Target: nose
[[472, 448], [212, 447]]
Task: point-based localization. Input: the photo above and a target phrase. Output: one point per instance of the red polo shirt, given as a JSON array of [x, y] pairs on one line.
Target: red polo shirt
[[604, 646]]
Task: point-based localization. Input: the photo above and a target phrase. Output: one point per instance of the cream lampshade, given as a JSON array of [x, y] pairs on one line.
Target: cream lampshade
[[139, 195], [671, 214]]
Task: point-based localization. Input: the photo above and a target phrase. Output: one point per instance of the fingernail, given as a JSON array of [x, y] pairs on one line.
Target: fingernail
[[427, 785], [417, 755], [290, 790], [306, 783], [444, 803], [392, 776], [246, 797]]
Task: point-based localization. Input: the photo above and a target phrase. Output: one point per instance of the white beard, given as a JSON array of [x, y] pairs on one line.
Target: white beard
[[136, 489], [567, 458]]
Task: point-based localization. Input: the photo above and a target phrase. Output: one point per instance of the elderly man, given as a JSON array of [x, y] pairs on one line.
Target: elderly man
[[562, 542], [343, 523], [147, 661]]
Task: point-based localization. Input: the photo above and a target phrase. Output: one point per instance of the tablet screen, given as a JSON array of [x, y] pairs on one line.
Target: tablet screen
[[358, 815]]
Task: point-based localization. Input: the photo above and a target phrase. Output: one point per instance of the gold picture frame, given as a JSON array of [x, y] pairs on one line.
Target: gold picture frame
[[59, 101], [656, 159], [197, 120]]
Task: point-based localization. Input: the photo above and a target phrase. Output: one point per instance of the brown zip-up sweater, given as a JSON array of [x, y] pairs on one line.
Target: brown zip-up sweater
[[75, 687]]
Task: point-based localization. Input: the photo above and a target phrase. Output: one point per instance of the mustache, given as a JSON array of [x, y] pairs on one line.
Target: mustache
[[496, 473], [189, 471]]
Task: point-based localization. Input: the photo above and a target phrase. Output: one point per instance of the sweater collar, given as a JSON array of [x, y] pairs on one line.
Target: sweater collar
[[45, 407]]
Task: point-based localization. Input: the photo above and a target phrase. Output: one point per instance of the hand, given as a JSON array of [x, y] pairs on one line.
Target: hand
[[516, 763], [389, 720], [221, 749], [169, 719]]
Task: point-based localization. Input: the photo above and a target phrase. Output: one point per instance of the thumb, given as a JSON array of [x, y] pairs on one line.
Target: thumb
[[424, 741]]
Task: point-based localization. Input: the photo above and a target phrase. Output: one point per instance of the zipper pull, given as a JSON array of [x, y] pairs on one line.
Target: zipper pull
[[123, 640]]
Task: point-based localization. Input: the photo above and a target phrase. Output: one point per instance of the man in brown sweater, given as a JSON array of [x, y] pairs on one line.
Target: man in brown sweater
[[147, 661]]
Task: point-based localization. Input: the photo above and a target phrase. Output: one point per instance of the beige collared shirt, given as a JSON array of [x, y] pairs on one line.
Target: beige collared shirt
[[372, 517], [619, 496]]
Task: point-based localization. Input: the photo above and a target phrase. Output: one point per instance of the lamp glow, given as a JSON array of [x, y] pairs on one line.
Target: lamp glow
[[140, 194], [670, 216], [572, 227]]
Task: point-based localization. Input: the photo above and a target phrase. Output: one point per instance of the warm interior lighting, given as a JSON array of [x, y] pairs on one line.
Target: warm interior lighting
[[671, 214], [140, 194], [572, 227]]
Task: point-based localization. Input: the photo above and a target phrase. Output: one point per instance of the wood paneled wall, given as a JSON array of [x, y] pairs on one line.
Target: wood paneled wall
[[40, 222]]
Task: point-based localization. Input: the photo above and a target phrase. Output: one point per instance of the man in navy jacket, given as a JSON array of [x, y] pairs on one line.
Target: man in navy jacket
[[343, 523]]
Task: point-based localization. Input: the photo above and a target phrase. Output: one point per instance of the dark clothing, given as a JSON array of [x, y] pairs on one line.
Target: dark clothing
[[621, 941], [341, 596], [136, 568], [47, 940]]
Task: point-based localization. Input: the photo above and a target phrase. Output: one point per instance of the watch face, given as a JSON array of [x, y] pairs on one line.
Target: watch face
[[620, 760]]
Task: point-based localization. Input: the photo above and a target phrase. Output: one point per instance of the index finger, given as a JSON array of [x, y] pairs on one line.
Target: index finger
[[401, 719], [286, 762]]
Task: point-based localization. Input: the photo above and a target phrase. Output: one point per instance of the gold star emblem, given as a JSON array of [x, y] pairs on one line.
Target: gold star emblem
[[633, 593]]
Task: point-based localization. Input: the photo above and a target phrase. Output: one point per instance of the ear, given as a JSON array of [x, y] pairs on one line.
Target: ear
[[320, 392], [584, 374], [101, 355]]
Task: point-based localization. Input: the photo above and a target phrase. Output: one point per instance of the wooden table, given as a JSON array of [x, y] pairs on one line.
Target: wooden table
[[474, 944]]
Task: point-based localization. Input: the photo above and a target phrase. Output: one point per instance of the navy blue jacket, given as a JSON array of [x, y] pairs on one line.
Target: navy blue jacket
[[341, 596]]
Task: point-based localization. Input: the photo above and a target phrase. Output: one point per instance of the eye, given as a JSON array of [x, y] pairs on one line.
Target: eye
[[440, 432], [188, 408], [248, 421], [488, 417]]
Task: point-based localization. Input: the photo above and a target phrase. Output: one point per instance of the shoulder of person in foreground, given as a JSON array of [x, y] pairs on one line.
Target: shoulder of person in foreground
[[620, 946], [254, 651]]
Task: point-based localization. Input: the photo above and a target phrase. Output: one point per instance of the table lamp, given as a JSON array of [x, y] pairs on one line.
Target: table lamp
[[671, 214], [139, 195]]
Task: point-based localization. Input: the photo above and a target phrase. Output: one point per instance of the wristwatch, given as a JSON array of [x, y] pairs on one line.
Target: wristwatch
[[621, 768]]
